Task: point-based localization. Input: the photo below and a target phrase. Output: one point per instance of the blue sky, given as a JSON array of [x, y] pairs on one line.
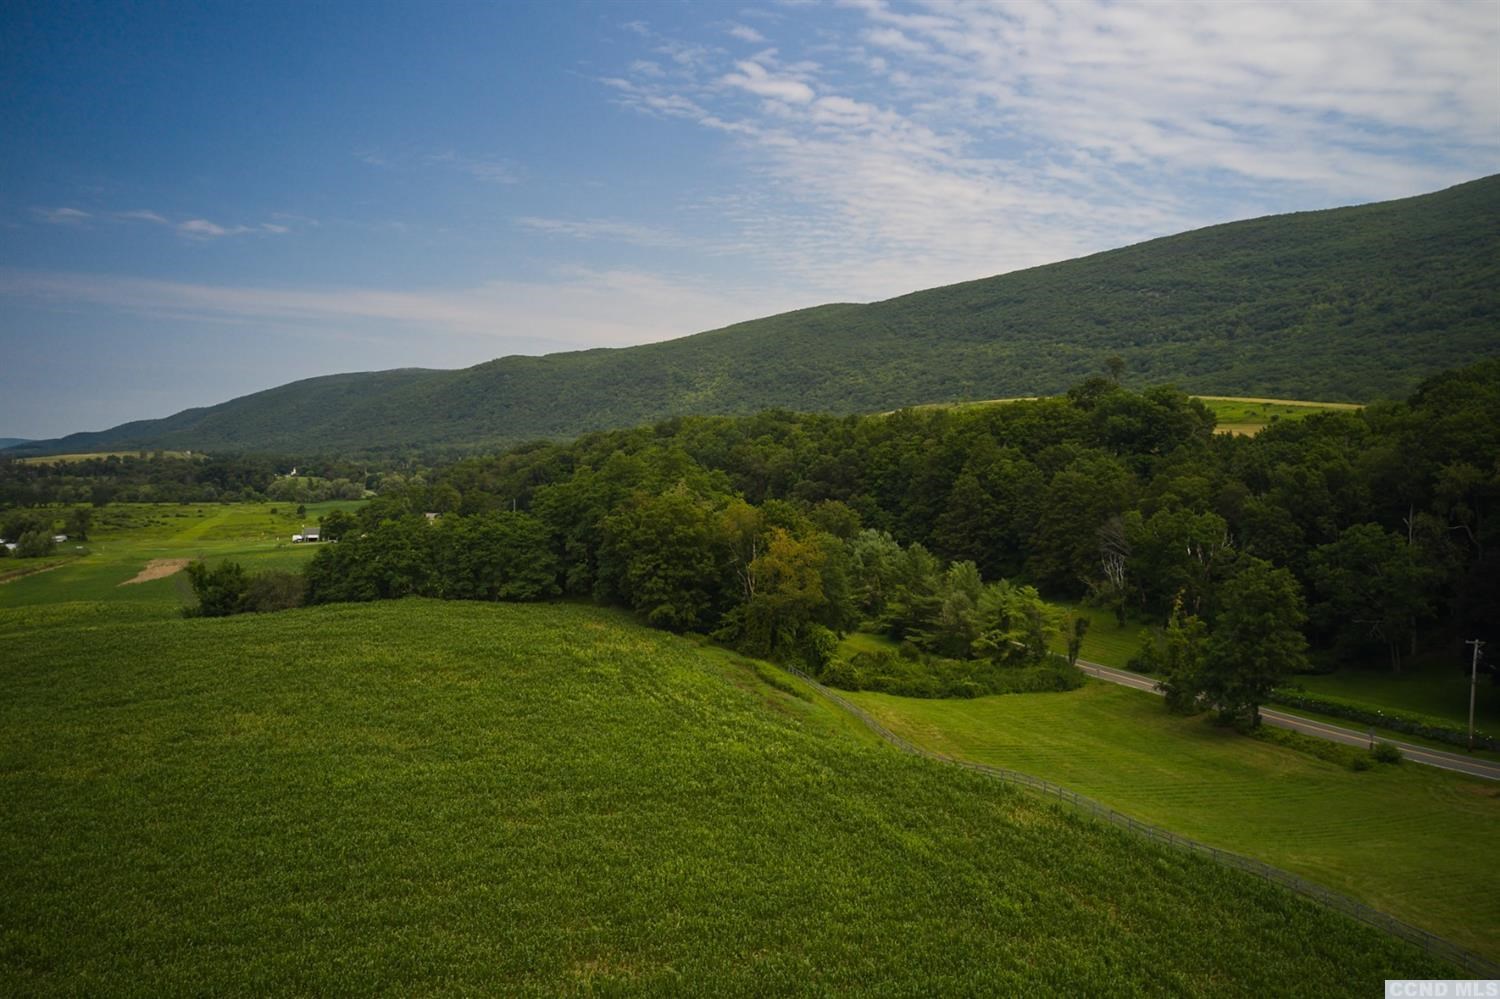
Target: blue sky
[[203, 200]]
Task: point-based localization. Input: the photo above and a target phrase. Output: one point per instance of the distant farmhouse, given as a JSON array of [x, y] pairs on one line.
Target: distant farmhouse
[[308, 534]]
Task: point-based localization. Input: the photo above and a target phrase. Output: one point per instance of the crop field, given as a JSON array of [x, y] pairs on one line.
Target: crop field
[[424, 796], [125, 537], [67, 459], [1415, 842]]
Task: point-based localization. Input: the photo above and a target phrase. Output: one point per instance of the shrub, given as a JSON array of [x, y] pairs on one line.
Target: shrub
[[817, 646], [1352, 757], [35, 544], [936, 676], [1427, 728], [274, 590], [220, 590], [842, 674], [1386, 752]]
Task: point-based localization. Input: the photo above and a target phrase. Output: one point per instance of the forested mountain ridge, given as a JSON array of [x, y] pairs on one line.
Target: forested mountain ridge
[[1342, 304]]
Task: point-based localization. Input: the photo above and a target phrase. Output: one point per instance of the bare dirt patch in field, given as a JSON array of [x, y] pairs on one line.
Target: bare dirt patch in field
[[158, 568]]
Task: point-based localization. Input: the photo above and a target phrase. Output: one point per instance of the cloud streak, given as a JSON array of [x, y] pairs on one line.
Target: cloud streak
[[489, 169], [62, 216], [919, 144], [195, 229], [579, 308]]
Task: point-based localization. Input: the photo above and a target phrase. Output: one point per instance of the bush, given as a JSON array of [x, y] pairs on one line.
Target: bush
[[1352, 757], [936, 676], [817, 647], [842, 674], [1409, 723], [220, 590], [274, 590], [227, 589], [35, 544], [1386, 752]]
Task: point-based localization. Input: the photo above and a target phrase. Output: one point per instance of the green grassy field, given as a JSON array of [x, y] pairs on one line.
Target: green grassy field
[[128, 536], [1413, 841], [1107, 641], [420, 796], [1239, 415]]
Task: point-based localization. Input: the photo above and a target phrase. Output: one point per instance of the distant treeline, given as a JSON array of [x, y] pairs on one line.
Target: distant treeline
[[158, 477], [1363, 533]]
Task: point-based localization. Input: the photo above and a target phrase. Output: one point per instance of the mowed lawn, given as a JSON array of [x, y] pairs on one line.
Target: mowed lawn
[[424, 797], [1107, 641], [1413, 841]]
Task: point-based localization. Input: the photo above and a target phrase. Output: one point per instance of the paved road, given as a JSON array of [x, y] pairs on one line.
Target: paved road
[[1333, 733]]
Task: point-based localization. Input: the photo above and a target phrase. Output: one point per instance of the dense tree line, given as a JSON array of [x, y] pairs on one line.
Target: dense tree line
[[33, 530], [158, 477], [1350, 534]]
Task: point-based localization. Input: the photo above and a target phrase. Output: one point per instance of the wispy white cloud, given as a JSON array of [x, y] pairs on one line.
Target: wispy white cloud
[[755, 78], [745, 33], [608, 229], [204, 229], [62, 216], [939, 141], [577, 308], [489, 170], [189, 228]]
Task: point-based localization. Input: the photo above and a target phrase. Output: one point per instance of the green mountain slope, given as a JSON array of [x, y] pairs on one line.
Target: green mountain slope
[[1345, 304], [418, 797]]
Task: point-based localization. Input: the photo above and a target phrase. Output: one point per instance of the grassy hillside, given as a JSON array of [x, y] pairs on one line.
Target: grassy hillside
[[418, 796], [1409, 840], [1347, 304]]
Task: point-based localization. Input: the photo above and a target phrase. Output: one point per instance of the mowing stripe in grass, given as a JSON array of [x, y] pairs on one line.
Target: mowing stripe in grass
[[1430, 942]]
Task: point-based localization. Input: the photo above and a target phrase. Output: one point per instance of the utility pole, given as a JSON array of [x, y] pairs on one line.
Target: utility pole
[[1473, 683]]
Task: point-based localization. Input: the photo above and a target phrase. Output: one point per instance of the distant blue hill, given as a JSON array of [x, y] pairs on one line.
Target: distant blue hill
[[1349, 304], [6, 442]]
